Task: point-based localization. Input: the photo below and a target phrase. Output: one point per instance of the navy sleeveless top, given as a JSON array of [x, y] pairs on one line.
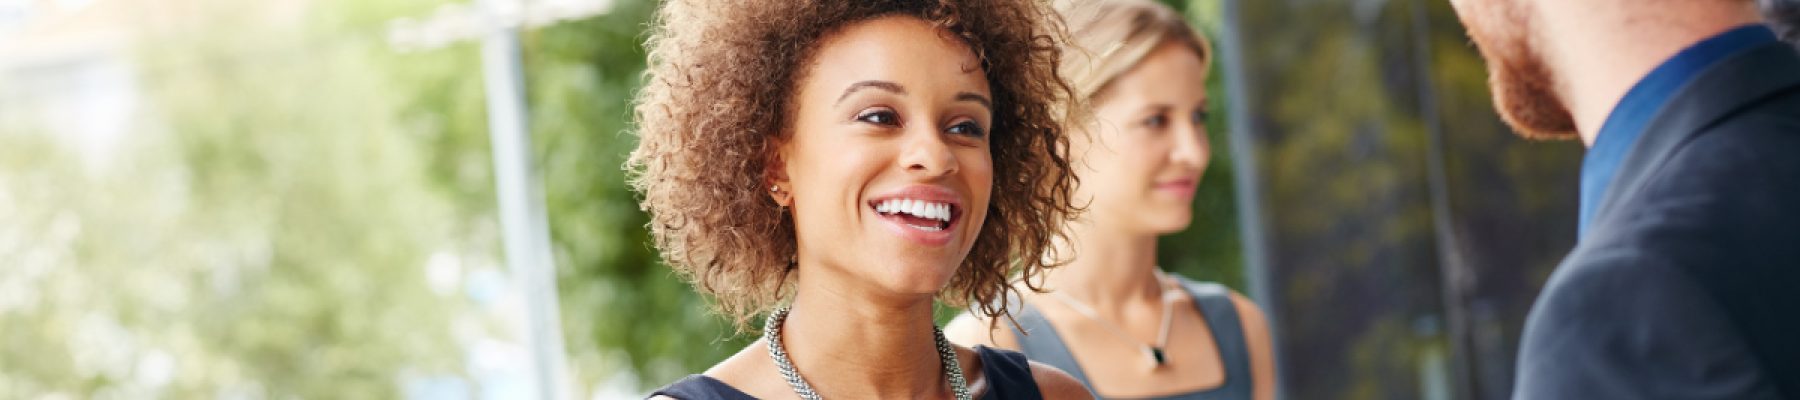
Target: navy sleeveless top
[[1214, 302], [1007, 372]]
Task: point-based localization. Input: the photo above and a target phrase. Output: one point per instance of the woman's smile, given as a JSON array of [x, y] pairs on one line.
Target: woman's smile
[[1179, 188], [926, 215]]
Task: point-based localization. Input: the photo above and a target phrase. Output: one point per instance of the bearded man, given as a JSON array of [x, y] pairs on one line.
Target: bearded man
[[1685, 282]]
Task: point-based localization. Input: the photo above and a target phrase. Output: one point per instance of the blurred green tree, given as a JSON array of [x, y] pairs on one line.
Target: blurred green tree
[[618, 298], [264, 235]]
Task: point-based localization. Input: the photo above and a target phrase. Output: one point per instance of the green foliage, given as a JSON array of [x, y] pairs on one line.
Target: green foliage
[[618, 298], [264, 237]]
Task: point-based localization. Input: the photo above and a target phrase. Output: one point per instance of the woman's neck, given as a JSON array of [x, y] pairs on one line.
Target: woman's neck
[[1111, 271], [848, 344]]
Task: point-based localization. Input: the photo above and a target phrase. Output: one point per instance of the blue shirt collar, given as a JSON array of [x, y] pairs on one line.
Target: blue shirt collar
[[1629, 118]]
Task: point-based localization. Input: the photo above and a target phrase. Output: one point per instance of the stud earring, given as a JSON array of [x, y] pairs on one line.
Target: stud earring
[[775, 189]]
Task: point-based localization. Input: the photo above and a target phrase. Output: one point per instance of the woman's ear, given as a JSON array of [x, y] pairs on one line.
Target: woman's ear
[[780, 187]]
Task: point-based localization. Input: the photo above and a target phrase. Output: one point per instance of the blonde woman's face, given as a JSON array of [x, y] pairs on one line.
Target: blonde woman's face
[[888, 162], [1142, 157]]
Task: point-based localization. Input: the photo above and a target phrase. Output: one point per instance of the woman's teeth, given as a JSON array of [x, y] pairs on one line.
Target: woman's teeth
[[918, 208]]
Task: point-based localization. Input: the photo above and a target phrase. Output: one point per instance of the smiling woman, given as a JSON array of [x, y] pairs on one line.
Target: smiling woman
[[859, 162]]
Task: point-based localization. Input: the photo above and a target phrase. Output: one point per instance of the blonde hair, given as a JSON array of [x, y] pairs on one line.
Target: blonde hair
[[1112, 36]]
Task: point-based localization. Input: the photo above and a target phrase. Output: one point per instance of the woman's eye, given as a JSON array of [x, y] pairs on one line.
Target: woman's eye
[[880, 117], [1200, 117], [968, 128], [1156, 121]]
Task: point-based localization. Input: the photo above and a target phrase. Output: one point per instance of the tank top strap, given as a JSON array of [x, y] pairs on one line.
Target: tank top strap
[[1214, 302], [1039, 341], [701, 387]]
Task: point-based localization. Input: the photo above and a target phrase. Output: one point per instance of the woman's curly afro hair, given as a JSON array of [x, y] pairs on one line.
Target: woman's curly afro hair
[[719, 96]]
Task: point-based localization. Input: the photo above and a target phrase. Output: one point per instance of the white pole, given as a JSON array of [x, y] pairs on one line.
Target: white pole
[[524, 225]]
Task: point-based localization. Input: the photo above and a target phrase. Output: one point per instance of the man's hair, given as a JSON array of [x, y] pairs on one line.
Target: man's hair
[[1784, 17]]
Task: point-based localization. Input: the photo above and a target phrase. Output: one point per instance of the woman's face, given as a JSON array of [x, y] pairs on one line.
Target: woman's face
[[888, 163], [1143, 156]]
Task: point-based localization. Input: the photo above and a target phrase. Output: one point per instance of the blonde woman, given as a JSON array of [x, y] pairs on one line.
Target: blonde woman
[[1112, 319]]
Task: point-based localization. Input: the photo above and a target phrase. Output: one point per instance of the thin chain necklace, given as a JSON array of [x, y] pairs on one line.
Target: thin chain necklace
[[1154, 353], [772, 335]]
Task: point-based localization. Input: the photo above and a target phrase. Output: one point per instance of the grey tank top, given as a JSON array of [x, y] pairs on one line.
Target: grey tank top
[[1214, 302]]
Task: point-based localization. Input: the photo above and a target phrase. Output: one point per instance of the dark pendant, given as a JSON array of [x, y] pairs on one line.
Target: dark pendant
[[1157, 353]]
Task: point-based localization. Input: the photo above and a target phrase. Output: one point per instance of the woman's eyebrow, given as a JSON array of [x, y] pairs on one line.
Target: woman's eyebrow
[[889, 86], [967, 96], [1156, 108]]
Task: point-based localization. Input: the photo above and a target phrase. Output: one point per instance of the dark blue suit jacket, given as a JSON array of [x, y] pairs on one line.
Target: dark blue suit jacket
[[1687, 286]]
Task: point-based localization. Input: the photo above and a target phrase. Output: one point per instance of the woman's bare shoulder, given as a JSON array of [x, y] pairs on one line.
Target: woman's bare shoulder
[[1055, 384]]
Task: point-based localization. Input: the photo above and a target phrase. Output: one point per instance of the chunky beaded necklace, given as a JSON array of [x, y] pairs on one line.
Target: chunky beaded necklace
[[772, 335]]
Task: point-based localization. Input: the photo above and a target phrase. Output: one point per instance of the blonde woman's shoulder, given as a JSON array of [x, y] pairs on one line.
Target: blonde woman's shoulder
[[1055, 384]]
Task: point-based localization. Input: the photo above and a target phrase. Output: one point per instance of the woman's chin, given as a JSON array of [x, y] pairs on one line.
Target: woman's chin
[[1166, 220], [1170, 227], [918, 282]]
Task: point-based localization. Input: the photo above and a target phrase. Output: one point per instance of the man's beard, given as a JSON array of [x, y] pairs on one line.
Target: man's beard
[[1524, 88]]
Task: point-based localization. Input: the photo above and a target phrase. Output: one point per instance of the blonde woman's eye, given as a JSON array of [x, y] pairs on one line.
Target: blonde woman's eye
[[1156, 121], [968, 128], [1200, 117], [879, 117]]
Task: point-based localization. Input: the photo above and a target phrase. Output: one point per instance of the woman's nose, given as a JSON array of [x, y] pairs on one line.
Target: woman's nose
[[1190, 146], [926, 153]]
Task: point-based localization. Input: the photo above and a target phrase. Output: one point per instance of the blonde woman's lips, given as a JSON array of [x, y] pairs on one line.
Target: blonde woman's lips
[[1182, 188], [925, 215]]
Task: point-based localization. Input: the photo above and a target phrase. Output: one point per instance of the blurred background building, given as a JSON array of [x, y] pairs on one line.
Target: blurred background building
[[1395, 228], [216, 199], [66, 67]]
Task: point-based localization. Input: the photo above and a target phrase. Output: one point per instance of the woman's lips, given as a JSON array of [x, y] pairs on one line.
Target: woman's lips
[[926, 215], [1180, 187]]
